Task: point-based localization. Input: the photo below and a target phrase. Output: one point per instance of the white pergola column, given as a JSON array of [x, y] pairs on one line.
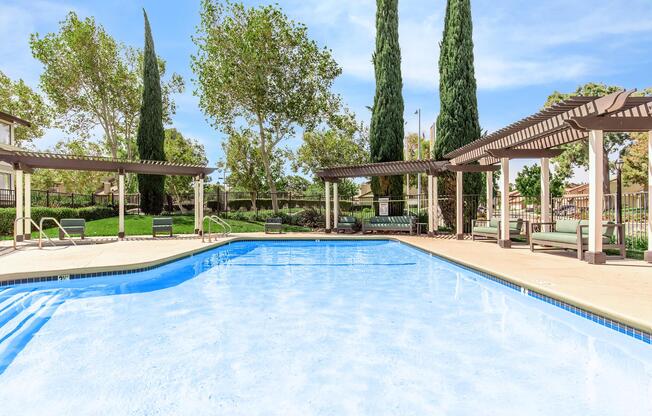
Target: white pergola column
[[459, 206], [504, 240], [200, 191], [545, 190], [28, 205], [327, 187], [18, 189], [435, 204], [595, 255], [336, 206], [198, 221], [121, 205], [648, 253], [431, 204], [489, 177]]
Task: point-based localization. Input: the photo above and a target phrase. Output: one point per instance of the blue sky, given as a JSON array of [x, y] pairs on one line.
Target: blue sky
[[524, 50]]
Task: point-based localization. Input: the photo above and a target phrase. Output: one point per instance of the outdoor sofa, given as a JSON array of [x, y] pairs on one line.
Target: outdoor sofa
[[346, 224], [403, 223], [273, 225], [573, 234], [161, 225], [76, 226], [490, 229]]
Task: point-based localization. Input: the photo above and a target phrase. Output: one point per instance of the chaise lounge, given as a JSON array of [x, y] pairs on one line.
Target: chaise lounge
[[573, 234], [346, 224], [403, 223], [490, 229]]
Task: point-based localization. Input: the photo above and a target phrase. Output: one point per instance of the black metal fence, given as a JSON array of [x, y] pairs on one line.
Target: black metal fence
[[53, 199]]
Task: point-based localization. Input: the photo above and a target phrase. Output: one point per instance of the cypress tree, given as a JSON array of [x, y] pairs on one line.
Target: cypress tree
[[386, 130], [457, 124], [151, 135]]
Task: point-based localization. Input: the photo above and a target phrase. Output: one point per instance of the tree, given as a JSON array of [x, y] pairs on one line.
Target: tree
[[386, 130], [636, 160], [91, 80], [244, 163], [294, 184], [577, 154], [256, 66], [457, 124], [345, 142], [412, 152], [528, 183], [151, 136], [181, 150], [20, 100]]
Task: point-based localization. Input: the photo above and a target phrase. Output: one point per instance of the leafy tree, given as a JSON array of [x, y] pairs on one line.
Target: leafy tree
[[20, 100], [412, 152], [181, 150], [346, 189], [294, 184], [345, 142], [528, 183], [636, 160], [92, 80], [256, 66], [386, 130], [151, 136], [457, 124]]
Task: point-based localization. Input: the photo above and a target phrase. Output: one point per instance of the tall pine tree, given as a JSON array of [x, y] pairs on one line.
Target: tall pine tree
[[151, 135], [458, 122], [386, 131]]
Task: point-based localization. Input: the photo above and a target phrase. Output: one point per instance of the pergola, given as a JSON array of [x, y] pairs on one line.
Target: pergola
[[24, 162], [537, 136], [431, 167]]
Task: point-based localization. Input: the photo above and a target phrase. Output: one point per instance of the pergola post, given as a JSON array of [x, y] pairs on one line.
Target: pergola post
[[198, 221], [545, 189], [648, 253], [459, 206], [28, 205], [595, 255], [504, 240], [431, 205], [327, 188], [336, 206], [489, 177], [200, 191], [121, 204], [18, 189]]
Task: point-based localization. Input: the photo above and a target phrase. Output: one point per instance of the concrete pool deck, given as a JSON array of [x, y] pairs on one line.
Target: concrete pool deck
[[620, 290]]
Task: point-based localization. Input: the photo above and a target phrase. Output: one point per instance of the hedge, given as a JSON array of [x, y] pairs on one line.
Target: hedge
[[8, 215]]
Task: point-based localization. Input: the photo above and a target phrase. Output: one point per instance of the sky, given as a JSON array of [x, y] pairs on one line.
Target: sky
[[524, 50]]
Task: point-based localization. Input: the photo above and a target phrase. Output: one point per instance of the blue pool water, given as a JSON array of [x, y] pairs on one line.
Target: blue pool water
[[309, 328]]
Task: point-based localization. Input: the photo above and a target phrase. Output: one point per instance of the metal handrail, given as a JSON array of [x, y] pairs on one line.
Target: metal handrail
[[60, 228], [224, 224], [40, 230], [210, 220]]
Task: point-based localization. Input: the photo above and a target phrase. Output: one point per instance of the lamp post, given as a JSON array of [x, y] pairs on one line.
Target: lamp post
[[619, 191]]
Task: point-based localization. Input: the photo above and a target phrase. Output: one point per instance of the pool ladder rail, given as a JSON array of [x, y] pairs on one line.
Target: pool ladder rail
[[41, 234], [226, 227]]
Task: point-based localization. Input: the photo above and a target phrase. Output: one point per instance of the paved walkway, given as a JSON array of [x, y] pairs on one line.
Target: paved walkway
[[621, 290]]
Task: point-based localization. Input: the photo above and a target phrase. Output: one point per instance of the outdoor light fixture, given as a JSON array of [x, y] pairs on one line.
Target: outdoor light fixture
[[619, 164]]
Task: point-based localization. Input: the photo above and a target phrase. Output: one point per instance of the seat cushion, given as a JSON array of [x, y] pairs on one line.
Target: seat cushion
[[566, 238], [607, 228], [494, 222], [486, 230], [567, 226], [346, 220]]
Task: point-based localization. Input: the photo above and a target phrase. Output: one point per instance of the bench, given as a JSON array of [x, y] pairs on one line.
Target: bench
[[161, 225], [404, 223], [346, 224], [76, 226], [273, 225], [574, 235], [490, 229]]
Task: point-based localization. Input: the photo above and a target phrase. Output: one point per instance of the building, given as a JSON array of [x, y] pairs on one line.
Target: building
[[8, 125]]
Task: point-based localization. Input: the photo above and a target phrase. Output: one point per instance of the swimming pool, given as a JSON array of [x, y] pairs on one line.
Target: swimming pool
[[309, 328]]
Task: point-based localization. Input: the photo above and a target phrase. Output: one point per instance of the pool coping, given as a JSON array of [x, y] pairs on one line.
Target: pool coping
[[600, 315]]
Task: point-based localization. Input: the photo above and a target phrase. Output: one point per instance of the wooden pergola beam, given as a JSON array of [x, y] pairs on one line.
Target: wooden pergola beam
[[472, 168], [611, 124], [525, 153]]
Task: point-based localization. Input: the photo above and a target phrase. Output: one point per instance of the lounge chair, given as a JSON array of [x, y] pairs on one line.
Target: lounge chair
[[273, 225], [490, 229], [76, 226], [161, 225], [404, 223], [574, 235], [346, 224]]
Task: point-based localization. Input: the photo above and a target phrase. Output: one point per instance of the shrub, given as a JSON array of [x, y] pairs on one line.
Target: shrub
[[8, 215], [310, 218]]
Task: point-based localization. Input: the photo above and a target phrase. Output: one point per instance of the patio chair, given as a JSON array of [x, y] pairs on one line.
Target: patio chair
[[346, 224], [161, 225], [574, 235], [73, 226], [490, 229], [274, 225]]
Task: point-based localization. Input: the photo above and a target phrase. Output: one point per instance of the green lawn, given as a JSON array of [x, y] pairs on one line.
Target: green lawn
[[142, 225]]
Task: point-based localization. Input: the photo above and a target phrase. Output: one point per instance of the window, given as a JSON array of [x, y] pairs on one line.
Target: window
[[5, 181], [5, 133]]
